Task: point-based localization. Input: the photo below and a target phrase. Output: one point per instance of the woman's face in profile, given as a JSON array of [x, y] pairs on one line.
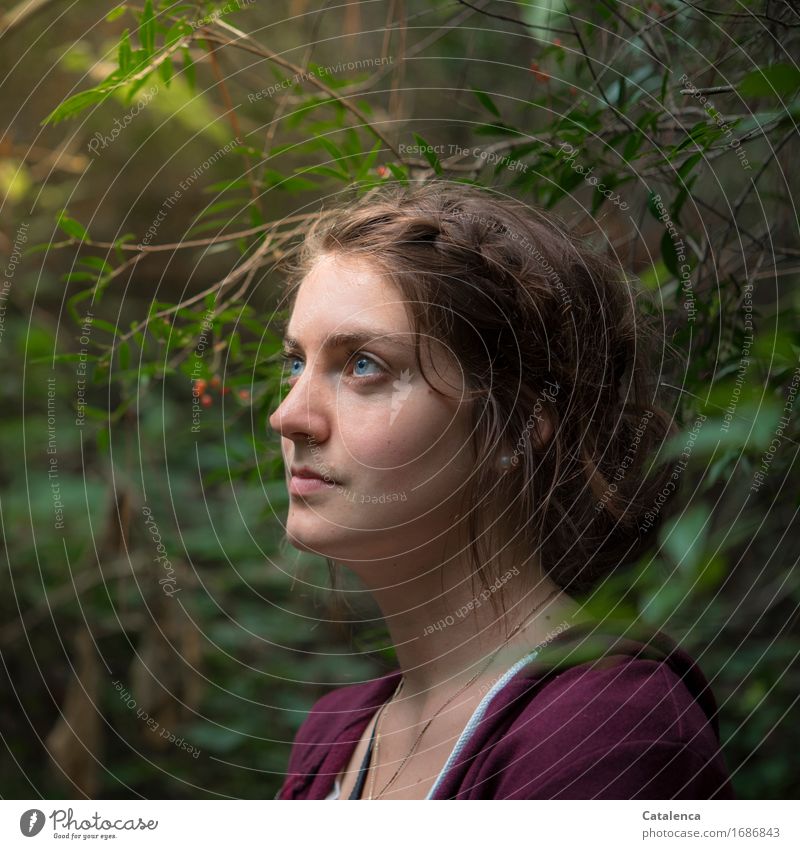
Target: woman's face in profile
[[359, 412]]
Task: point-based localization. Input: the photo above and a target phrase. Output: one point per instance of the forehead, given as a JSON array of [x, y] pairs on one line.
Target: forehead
[[340, 293]]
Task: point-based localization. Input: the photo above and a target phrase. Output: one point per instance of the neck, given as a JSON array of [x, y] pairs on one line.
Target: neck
[[445, 627]]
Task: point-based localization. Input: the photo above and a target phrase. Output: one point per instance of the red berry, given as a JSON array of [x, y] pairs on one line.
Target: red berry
[[206, 400], [199, 387], [244, 395], [382, 170], [542, 76], [226, 390], [215, 382]]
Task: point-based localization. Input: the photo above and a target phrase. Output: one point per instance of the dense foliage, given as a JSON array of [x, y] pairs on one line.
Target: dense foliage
[[157, 638]]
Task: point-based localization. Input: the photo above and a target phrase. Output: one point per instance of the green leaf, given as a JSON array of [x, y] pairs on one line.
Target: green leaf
[[775, 81], [96, 413], [687, 166], [352, 143], [79, 277], [166, 71], [105, 325], [338, 156], [219, 207], [327, 172], [653, 207], [664, 83], [65, 358], [632, 145], [208, 226], [679, 201], [135, 86], [622, 92], [97, 263], [127, 237], [188, 69], [124, 355], [77, 103], [124, 53], [696, 134], [400, 173], [176, 32], [369, 159], [36, 249], [71, 227], [683, 538], [487, 102], [566, 181], [74, 301], [103, 439], [669, 253], [274, 179], [496, 130], [246, 149], [116, 13], [147, 28], [428, 153]]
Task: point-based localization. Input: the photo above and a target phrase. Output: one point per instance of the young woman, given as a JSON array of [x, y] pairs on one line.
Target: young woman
[[467, 428]]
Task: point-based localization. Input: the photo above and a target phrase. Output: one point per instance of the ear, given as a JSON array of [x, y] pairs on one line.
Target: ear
[[544, 427]]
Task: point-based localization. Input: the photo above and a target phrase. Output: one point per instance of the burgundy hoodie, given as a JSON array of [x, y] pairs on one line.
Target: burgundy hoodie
[[593, 715]]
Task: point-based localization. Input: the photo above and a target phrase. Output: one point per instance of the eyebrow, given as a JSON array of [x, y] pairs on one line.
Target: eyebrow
[[355, 338]]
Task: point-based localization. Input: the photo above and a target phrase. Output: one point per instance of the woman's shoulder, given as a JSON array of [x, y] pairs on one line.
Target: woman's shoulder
[[620, 696], [619, 726]]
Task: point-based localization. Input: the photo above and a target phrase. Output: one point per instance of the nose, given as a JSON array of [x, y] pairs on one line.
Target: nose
[[304, 413]]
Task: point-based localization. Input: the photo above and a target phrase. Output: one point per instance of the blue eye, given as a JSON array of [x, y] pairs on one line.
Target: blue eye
[[365, 361], [292, 360]]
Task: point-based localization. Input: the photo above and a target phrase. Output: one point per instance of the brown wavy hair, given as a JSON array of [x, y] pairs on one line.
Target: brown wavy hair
[[542, 325]]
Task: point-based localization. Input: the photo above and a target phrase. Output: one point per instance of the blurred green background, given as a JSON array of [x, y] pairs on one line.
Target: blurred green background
[[157, 160]]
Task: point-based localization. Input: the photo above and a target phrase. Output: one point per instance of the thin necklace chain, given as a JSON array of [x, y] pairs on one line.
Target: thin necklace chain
[[374, 764]]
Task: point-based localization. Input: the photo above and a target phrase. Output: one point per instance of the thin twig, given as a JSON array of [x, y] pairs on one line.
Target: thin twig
[[739, 202], [194, 243], [714, 89], [630, 124], [17, 16], [286, 97], [231, 277], [746, 15], [233, 118], [245, 42], [516, 21], [612, 7]]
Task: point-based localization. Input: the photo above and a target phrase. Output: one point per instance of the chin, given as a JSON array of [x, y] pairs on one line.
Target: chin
[[314, 535]]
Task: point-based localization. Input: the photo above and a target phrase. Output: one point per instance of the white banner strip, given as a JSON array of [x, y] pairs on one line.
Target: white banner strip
[[302, 824]]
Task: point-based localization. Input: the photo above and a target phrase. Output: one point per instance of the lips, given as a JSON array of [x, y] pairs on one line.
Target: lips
[[308, 473], [306, 481]]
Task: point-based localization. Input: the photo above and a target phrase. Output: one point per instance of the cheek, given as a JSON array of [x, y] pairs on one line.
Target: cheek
[[428, 451], [380, 450]]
